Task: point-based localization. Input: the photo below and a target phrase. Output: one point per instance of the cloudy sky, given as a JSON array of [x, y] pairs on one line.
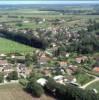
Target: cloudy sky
[[47, 1]]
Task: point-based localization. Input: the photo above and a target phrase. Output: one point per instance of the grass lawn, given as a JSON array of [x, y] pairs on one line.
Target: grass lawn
[[7, 46], [83, 78], [94, 85], [15, 92]]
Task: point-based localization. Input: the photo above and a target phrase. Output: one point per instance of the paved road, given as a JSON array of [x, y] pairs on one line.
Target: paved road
[[89, 83]]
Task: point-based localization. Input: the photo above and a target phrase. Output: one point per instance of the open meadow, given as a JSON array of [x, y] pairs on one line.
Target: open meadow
[[16, 92], [12, 18], [7, 46]]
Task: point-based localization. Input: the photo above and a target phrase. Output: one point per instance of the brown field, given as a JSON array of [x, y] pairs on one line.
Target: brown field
[[15, 92]]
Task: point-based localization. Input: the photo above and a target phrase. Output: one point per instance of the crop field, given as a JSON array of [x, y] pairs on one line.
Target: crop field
[[22, 15], [16, 92], [70, 20], [29, 15], [7, 46]]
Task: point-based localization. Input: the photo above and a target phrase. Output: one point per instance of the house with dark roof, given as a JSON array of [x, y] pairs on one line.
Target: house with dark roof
[[5, 66]]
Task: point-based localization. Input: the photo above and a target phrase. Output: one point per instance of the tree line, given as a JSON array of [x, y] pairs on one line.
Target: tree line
[[87, 41], [59, 91], [69, 92], [26, 39]]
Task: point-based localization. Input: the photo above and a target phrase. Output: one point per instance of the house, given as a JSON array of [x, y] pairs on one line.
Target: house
[[43, 59], [20, 59], [59, 79], [2, 56], [5, 66], [21, 68], [70, 79], [69, 71], [46, 72], [81, 59], [53, 45], [42, 81], [67, 55], [25, 21], [40, 22], [48, 52], [63, 63], [12, 56], [63, 80], [3, 63], [78, 60], [72, 69], [96, 69], [8, 69], [62, 71]]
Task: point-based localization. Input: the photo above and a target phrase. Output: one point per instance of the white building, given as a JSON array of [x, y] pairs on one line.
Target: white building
[[42, 81]]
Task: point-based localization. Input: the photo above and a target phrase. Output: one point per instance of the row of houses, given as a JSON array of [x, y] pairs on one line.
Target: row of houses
[[7, 67], [60, 79]]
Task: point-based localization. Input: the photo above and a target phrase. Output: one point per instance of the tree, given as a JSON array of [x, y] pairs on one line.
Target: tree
[[19, 24], [28, 59], [34, 57], [34, 75], [34, 88], [69, 92], [12, 76], [1, 77], [87, 43], [50, 86]]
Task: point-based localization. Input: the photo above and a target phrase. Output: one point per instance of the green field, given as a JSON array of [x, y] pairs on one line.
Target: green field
[[30, 15], [94, 85], [16, 92], [83, 78], [7, 46]]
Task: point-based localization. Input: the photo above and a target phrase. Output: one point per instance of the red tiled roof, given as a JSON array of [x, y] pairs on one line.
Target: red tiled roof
[[2, 62], [96, 69], [62, 62]]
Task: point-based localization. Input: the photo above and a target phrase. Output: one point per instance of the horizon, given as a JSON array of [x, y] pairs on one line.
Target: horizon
[[49, 2]]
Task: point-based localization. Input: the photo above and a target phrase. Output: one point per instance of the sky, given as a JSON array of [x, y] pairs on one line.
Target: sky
[[47, 2]]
